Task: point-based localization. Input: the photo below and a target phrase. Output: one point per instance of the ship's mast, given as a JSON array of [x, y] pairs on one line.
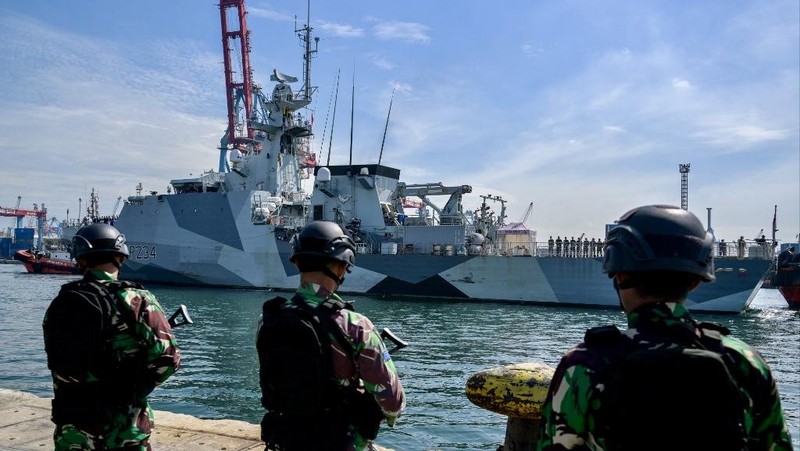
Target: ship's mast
[[304, 34], [239, 130]]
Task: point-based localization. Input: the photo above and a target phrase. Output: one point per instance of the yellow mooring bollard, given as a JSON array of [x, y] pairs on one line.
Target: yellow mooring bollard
[[517, 391]]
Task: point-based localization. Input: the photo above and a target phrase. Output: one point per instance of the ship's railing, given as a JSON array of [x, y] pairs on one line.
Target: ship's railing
[[367, 244], [584, 250], [745, 249], [427, 248], [751, 249], [77, 223]]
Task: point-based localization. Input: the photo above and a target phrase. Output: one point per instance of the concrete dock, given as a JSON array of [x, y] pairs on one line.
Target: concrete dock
[[25, 425]]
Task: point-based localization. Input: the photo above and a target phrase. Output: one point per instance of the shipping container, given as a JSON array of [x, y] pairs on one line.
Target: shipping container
[[5, 248], [23, 235]]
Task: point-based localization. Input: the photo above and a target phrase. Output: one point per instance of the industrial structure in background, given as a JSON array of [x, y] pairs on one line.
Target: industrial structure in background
[[20, 237]]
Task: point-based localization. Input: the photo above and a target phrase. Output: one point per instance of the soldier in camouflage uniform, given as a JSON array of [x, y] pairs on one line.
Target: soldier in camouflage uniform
[[656, 255], [323, 253], [108, 346]]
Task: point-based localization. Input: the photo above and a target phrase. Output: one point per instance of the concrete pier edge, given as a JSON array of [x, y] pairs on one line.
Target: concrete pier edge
[[25, 425]]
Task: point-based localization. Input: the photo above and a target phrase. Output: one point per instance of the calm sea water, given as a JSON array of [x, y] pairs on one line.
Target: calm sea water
[[448, 342]]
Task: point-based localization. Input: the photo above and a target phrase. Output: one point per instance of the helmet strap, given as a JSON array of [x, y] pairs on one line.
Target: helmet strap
[[116, 262], [339, 280], [625, 284]]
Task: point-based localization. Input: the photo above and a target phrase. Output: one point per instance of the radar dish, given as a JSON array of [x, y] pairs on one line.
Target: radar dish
[[281, 77]]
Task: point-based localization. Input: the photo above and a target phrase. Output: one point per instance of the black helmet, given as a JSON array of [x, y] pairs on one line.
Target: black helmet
[[324, 239], [659, 238], [98, 238]]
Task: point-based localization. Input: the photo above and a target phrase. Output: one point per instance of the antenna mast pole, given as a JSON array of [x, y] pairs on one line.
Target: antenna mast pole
[[352, 108], [305, 36], [383, 141], [333, 120]]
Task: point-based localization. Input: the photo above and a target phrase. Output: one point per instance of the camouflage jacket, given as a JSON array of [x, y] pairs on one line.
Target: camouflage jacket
[[106, 351], [571, 409], [373, 364]]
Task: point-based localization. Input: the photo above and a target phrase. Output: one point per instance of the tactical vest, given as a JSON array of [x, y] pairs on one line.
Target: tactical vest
[[307, 406], [119, 380], [676, 395]]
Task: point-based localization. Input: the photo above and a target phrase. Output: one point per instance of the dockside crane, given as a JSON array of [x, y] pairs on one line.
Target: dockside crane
[[14, 222], [21, 214]]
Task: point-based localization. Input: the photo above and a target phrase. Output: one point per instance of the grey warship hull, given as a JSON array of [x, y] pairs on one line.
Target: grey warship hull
[[208, 239]]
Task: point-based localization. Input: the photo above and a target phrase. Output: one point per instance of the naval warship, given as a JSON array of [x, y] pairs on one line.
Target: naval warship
[[232, 227]]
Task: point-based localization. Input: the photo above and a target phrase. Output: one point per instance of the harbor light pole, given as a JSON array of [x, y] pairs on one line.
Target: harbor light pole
[[684, 170]]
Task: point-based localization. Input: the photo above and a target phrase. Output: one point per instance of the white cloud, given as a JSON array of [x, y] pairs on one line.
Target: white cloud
[[402, 31], [270, 14], [679, 83], [341, 30], [382, 62], [530, 49], [737, 136]]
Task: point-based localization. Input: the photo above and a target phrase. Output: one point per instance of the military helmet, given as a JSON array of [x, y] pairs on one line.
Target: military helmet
[[326, 240], [97, 239], [659, 238]]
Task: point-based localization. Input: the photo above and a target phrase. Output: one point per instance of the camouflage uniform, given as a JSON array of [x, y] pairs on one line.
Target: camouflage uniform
[[570, 413], [105, 362], [375, 366]]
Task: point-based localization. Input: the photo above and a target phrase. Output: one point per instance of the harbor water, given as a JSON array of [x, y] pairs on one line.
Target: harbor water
[[448, 342]]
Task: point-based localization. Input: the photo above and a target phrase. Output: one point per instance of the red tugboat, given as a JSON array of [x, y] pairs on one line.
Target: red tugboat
[[787, 280], [787, 275], [792, 295], [38, 262]]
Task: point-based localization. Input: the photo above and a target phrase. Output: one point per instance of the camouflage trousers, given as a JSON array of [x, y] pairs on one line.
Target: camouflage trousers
[[68, 438]]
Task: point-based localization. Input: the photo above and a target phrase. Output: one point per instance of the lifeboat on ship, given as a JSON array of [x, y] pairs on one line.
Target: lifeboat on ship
[[38, 262]]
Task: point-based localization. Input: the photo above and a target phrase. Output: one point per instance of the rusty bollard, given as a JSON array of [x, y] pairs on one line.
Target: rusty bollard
[[517, 391]]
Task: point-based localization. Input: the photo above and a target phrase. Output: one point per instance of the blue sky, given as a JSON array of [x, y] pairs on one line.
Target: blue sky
[[585, 108]]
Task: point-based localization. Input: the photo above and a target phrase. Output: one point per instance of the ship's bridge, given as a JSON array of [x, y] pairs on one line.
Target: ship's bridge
[[207, 182]]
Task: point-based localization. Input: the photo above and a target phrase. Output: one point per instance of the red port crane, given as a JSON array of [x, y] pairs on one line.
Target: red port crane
[[238, 81], [20, 214]]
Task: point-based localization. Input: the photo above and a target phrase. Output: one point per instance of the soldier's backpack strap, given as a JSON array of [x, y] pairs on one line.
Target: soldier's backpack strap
[[713, 330], [322, 313], [274, 303], [112, 288], [106, 291], [602, 335], [711, 339]]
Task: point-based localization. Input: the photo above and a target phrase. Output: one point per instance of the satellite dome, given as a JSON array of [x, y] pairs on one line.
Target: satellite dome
[[324, 175]]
